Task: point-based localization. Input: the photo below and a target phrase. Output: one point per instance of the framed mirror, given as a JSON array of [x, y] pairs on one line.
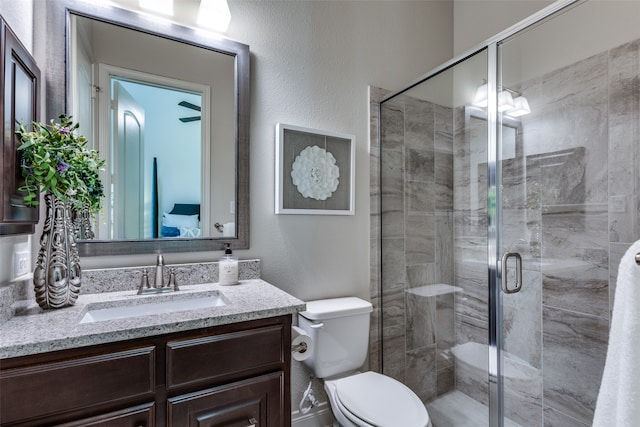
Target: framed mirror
[[187, 178]]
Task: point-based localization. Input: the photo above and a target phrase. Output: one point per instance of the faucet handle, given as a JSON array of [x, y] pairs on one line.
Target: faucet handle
[[172, 279], [160, 260], [144, 282]]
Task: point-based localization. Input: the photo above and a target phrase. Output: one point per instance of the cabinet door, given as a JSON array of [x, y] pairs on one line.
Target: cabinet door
[[20, 79], [255, 402], [69, 388], [137, 416]]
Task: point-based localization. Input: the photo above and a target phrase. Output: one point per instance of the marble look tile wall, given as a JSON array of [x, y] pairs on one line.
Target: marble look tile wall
[[414, 222], [583, 174], [470, 249], [375, 96]]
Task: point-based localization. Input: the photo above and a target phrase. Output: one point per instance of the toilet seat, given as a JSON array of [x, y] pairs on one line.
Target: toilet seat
[[370, 399]]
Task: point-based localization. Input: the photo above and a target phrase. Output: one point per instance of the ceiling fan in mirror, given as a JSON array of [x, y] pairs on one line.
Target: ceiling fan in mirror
[[191, 106]]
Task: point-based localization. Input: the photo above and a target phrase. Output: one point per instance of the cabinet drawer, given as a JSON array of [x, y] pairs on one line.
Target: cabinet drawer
[[137, 416], [245, 403], [224, 357], [35, 391]]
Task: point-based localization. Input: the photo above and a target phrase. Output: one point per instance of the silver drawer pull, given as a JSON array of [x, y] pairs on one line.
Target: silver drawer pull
[[252, 422], [505, 276]]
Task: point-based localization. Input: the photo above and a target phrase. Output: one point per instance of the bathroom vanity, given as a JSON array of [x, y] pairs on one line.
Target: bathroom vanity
[[221, 365]]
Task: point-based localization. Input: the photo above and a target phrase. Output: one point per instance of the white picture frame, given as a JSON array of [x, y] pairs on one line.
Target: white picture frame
[[315, 171]]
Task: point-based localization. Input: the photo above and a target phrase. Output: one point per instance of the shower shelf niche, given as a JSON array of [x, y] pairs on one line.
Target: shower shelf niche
[[433, 290]]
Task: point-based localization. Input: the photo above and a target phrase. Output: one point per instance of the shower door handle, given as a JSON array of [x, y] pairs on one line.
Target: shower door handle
[[506, 288]]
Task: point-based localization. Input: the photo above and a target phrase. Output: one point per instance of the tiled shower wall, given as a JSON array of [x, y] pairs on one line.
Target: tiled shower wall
[[571, 207], [416, 240]]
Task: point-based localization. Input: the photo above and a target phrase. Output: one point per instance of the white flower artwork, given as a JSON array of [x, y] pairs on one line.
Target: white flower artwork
[[315, 173]]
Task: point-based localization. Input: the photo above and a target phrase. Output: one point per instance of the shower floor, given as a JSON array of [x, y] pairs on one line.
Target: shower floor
[[456, 409]]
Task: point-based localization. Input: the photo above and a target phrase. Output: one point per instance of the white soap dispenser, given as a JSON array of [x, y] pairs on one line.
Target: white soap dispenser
[[228, 268]]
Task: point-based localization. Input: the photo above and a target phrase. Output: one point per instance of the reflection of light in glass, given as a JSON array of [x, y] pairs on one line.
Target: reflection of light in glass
[[164, 7], [520, 107], [505, 101], [214, 14], [507, 104], [481, 99]]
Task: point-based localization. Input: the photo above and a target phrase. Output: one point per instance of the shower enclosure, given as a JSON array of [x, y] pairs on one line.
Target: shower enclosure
[[505, 188]]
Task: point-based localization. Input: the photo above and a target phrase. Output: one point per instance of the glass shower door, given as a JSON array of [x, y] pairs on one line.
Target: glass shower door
[[569, 196], [434, 240]]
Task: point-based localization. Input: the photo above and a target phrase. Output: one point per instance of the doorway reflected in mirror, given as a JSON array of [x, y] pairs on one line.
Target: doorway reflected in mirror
[[155, 162]]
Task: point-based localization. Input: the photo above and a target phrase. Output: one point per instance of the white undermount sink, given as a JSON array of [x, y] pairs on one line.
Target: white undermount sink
[[129, 308]]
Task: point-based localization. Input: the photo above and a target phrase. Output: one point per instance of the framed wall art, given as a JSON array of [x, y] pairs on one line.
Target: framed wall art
[[315, 171]]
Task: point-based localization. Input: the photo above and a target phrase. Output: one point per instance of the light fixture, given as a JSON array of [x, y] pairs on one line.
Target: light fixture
[[507, 104], [214, 14], [505, 101], [481, 99], [520, 107], [164, 7]]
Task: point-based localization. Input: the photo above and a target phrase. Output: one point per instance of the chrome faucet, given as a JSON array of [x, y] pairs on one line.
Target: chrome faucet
[[159, 283]]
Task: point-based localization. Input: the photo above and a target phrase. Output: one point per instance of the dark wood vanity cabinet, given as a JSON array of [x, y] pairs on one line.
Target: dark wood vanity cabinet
[[230, 375]]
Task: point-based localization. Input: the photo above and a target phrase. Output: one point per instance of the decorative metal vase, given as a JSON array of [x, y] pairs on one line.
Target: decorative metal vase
[[57, 274], [82, 223]]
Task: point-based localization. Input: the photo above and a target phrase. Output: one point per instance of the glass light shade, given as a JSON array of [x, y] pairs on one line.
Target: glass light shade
[[520, 107], [505, 101], [481, 98], [164, 7], [214, 15]]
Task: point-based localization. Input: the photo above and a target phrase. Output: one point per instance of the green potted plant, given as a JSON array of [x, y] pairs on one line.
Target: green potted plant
[[57, 162], [54, 159]]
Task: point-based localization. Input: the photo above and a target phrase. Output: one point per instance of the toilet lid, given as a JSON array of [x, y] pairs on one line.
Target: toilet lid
[[381, 401]]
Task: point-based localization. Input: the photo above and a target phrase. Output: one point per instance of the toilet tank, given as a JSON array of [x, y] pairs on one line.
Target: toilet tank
[[339, 328]]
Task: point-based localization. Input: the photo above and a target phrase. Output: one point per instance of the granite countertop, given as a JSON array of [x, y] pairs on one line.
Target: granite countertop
[[32, 330]]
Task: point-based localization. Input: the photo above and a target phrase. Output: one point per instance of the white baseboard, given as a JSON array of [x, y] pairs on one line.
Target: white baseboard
[[319, 416]]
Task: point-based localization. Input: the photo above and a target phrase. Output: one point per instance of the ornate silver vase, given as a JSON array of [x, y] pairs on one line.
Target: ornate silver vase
[[57, 274]]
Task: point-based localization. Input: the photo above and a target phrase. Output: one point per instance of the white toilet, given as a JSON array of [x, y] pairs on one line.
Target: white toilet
[[339, 329]]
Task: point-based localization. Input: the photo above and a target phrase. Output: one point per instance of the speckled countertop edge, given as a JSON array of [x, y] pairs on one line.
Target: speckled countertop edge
[[53, 330]]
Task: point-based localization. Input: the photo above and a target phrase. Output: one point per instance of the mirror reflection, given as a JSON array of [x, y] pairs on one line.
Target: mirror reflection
[[163, 114], [146, 177]]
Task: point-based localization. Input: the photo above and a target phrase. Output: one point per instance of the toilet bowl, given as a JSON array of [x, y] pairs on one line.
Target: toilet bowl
[[371, 399], [339, 328]]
